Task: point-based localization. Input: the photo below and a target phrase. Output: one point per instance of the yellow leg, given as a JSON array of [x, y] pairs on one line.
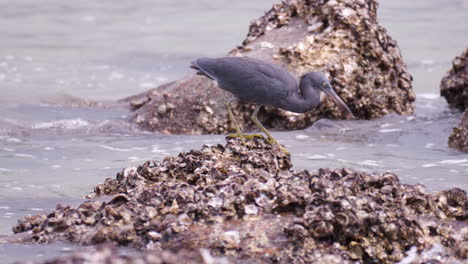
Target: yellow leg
[[233, 120], [270, 139], [239, 132]]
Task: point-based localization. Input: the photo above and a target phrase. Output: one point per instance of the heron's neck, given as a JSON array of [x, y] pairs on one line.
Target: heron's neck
[[306, 100]]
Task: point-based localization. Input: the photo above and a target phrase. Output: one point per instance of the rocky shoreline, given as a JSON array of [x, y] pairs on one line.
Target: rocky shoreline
[[342, 39], [238, 204]]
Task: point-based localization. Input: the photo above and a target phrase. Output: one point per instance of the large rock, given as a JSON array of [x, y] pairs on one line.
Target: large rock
[[245, 203], [454, 85], [459, 137], [341, 38]]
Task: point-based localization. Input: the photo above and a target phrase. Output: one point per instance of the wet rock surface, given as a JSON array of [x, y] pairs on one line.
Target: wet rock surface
[[246, 205], [454, 85], [459, 137], [338, 37]]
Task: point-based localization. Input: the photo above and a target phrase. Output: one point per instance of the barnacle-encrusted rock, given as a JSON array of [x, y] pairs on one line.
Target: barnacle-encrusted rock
[[459, 137], [245, 203], [454, 85], [341, 38]]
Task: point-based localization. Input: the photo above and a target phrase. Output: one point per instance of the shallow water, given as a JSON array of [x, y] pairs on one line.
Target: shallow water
[[107, 50]]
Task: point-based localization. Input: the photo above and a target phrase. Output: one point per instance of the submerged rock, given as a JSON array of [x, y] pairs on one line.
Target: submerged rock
[[459, 137], [454, 85], [341, 38], [244, 203]]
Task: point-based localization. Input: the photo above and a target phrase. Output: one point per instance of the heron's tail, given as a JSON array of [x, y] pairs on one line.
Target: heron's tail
[[200, 70]]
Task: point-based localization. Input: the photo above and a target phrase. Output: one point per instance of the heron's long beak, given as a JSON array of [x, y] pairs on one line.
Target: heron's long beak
[[342, 105]]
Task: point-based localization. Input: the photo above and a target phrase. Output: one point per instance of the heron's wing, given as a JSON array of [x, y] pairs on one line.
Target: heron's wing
[[250, 79]]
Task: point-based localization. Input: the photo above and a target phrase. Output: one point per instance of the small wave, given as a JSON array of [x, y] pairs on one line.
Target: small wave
[[370, 163], [429, 95], [24, 155], [65, 123], [389, 130], [461, 161], [316, 157], [115, 149]]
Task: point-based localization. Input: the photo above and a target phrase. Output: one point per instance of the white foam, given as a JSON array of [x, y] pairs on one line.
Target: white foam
[[370, 163], [114, 149], [56, 166], [139, 148], [429, 145], [24, 155], [316, 157], [302, 136], [461, 161], [4, 207], [429, 165], [65, 123], [385, 125], [3, 169], [133, 158], [156, 149], [429, 95], [389, 130]]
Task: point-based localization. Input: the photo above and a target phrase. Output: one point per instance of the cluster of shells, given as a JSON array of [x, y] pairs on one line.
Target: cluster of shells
[[341, 38], [244, 203]]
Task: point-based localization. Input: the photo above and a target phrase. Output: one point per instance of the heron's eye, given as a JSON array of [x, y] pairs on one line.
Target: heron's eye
[[325, 84]]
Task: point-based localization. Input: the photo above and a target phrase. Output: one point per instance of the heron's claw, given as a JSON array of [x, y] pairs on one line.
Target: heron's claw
[[273, 141]]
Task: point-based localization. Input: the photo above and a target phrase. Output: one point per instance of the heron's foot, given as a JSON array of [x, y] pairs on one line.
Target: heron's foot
[[273, 141], [247, 136]]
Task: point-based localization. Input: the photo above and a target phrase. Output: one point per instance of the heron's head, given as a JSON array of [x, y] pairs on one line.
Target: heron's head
[[319, 82]]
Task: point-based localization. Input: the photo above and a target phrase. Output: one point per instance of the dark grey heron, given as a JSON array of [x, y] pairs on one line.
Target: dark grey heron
[[256, 81]]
